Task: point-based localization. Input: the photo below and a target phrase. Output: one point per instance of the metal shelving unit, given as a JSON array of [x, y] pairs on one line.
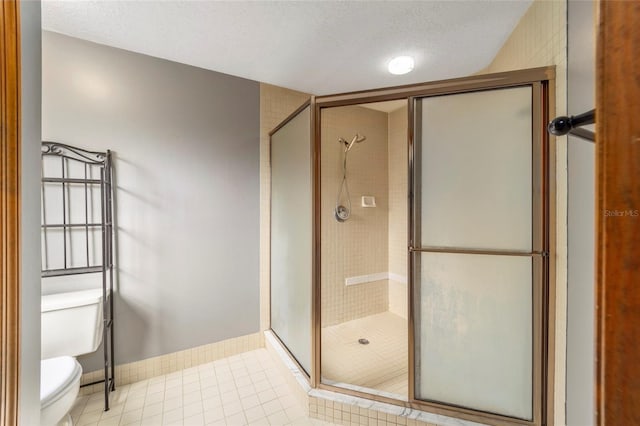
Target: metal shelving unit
[[72, 180]]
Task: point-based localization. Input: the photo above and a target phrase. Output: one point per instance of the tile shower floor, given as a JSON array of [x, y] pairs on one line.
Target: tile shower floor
[[380, 365], [244, 389]]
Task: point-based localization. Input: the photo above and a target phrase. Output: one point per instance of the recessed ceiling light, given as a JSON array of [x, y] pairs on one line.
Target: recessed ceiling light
[[401, 65]]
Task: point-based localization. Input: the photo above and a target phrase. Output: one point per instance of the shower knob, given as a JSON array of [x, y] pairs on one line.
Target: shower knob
[[342, 213]]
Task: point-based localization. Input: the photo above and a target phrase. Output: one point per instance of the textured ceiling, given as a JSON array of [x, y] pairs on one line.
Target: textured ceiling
[[317, 47]]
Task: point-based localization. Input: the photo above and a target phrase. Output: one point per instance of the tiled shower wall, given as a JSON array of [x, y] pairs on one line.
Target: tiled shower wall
[[398, 175], [358, 246]]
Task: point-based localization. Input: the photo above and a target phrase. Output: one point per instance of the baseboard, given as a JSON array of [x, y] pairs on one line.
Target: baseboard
[[164, 364]]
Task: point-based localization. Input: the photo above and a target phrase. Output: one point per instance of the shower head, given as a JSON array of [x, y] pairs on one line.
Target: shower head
[[359, 138], [356, 139], [348, 145]]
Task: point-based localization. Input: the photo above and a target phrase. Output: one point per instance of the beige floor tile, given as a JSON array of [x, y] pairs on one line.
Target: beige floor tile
[[250, 401], [278, 418], [174, 392], [240, 390], [111, 421], [152, 421], [172, 404], [192, 397], [254, 414], [272, 407], [232, 409], [210, 391], [133, 404], [191, 387], [236, 420], [94, 406], [295, 412], [152, 410], [152, 398], [213, 403], [131, 417], [267, 395], [114, 411], [89, 418], [173, 415], [193, 409], [380, 365], [211, 416], [262, 385], [197, 420]]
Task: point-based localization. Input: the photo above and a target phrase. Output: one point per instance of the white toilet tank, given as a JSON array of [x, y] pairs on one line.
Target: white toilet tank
[[71, 323]]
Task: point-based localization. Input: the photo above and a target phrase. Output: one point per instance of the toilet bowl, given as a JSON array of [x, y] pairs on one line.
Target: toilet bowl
[[59, 387], [72, 325]]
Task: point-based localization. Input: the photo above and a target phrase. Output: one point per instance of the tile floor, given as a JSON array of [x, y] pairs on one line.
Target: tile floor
[[381, 365], [244, 389]]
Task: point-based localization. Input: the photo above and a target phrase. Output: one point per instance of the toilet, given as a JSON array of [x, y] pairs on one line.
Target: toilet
[[72, 325]]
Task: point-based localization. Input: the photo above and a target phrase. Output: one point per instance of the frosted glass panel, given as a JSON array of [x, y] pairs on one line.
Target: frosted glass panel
[[291, 236], [474, 332], [476, 170]]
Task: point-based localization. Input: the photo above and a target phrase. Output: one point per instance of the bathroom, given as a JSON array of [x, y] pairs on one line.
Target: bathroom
[[183, 299]]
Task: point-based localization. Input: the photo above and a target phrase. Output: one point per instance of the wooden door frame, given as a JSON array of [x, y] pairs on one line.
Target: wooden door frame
[[618, 214], [9, 211]]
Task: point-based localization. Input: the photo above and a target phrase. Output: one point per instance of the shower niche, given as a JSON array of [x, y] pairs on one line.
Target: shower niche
[[410, 245]]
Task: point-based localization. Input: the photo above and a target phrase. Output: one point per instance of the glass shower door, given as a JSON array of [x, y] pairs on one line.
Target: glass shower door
[[476, 251], [292, 234]]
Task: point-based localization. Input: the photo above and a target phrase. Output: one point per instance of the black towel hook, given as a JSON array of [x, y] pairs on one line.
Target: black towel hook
[[560, 126]]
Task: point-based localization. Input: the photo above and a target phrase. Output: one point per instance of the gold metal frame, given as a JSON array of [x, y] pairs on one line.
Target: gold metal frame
[[539, 252], [542, 81]]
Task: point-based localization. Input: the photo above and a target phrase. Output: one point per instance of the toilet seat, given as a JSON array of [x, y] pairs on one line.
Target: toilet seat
[[59, 387], [57, 377]]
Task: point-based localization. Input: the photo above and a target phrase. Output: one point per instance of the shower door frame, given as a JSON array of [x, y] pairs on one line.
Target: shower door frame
[[542, 82], [310, 103]]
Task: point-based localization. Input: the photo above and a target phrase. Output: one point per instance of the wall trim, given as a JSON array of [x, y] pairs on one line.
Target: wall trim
[[402, 279], [10, 211], [168, 363], [379, 276]]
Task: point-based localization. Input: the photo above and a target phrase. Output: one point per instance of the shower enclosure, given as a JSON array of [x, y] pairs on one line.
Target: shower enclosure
[[363, 276], [430, 289]]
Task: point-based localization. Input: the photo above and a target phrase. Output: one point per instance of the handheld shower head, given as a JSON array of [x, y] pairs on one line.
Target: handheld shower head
[[356, 139], [342, 212]]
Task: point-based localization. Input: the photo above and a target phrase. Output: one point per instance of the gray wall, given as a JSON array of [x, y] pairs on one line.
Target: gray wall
[[30, 349], [186, 144], [581, 220]]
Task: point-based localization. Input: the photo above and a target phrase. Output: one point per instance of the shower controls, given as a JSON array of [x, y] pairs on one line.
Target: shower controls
[[342, 213]]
